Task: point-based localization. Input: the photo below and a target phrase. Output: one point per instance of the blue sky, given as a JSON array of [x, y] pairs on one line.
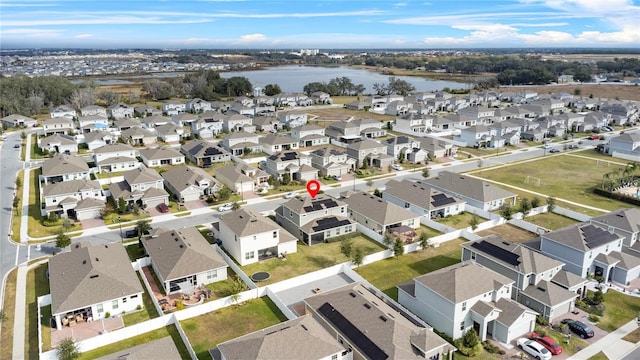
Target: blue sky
[[293, 24]]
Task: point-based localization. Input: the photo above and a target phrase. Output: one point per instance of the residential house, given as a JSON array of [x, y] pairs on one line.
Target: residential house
[[240, 109], [406, 148], [237, 123], [550, 106], [18, 121], [138, 136], [475, 192], [422, 199], [625, 222], [170, 133], [237, 143], [250, 237], [533, 274], [374, 152], [331, 162], [164, 156], [126, 124], [453, 121], [121, 111], [89, 123], [413, 123], [94, 110], [292, 119], [438, 148], [310, 135], [372, 328], [466, 297], [197, 105], [292, 163], [146, 110], [357, 105], [183, 260], [481, 136], [152, 122], [63, 111], [188, 183], [186, 119], [208, 125], [377, 214], [314, 220], [398, 107], [273, 143], [58, 143], [344, 131], [64, 198], [369, 128], [63, 167], [320, 97], [115, 157], [173, 108], [304, 336], [90, 281], [241, 178], [60, 125], [625, 146], [96, 139], [482, 114], [142, 186], [204, 153], [266, 123]]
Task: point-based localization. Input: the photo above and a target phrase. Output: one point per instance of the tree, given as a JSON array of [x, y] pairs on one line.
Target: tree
[[68, 349], [400, 86], [272, 89], [62, 240], [235, 206], [66, 224], [365, 163], [18, 183], [109, 96], [551, 203], [357, 255], [142, 226], [387, 240], [398, 247], [286, 179], [423, 240], [16, 202], [122, 205], [377, 193], [83, 96], [470, 339], [598, 297], [506, 211], [53, 217], [425, 173], [224, 193], [346, 247], [535, 202], [475, 220], [525, 207]]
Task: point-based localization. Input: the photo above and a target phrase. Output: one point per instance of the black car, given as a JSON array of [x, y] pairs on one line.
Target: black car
[[131, 233], [579, 328]]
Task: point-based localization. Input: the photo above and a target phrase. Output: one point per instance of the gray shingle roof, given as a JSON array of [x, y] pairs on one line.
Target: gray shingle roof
[[579, 236], [418, 194], [468, 186], [180, 253], [141, 175], [568, 280], [549, 293], [70, 187], [62, 139], [90, 274], [378, 210], [625, 219], [64, 164], [109, 148], [183, 177], [321, 202], [159, 153], [244, 222]]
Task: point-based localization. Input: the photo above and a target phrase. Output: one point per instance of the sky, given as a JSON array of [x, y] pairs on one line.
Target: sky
[[322, 24]]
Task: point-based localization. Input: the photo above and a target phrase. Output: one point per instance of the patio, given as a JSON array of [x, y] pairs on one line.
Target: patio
[[168, 303], [86, 330]]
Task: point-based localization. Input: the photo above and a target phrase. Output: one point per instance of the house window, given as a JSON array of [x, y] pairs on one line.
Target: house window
[[114, 304], [334, 357], [473, 256], [134, 296], [249, 255], [212, 274], [275, 234], [99, 308], [337, 231], [124, 300], [342, 209], [462, 325], [464, 306]]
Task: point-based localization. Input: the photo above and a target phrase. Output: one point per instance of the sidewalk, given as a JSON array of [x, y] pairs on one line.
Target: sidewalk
[[20, 314], [611, 345]]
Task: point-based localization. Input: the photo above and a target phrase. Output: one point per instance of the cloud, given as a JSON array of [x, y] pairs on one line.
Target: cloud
[[400, 4], [31, 32], [83, 36], [253, 38], [103, 20]]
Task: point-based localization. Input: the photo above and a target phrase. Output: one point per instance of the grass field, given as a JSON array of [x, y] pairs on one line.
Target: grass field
[[551, 221], [619, 310], [329, 115], [37, 285], [308, 259], [207, 331], [459, 221], [508, 232], [146, 313], [386, 274], [573, 178], [633, 337], [9, 307]]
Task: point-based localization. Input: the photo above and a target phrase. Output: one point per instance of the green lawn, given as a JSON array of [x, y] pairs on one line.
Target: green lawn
[[551, 221], [207, 331], [308, 259], [9, 306], [459, 221], [508, 232], [144, 314], [430, 232], [573, 178], [37, 285], [619, 310], [170, 330], [599, 356], [633, 337], [386, 274], [222, 289], [134, 251]]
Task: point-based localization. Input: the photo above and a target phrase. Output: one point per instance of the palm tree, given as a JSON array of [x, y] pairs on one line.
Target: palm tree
[[606, 178]]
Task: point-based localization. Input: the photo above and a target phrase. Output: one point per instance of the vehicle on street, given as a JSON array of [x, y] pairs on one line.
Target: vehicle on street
[[547, 342], [546, 146], [226, 207], [337, 177], [289, 195], [554, 151], [16, 146], [573, 146], [534, 349], [594, 137], [131, 233], [578, 327], [163, 208], [396, 167]]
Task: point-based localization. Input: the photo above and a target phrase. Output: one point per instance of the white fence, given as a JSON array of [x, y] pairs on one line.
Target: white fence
[[380, 255], [111, 180], [186, 342], [284, 308], [236, 268], [571, 214], [305, 278], [370, 233], [481, 212], [435, 225], [527, 226]]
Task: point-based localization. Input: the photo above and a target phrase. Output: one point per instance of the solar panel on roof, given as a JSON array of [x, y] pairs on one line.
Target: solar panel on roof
[[351, 332], [497, 252], [212, 151], [595, 236], [441, 200], [289, 156], [329, 223]]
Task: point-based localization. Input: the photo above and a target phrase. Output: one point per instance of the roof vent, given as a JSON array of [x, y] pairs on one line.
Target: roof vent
[[84, 262], [542, 289], [352, 294], [93, 276], [506, 243], [304, 327], [367, 305], [181, 246], [97, 259], [383, 318]]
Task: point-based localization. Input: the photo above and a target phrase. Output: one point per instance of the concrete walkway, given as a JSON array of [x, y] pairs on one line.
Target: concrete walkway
[[20, 314], [24, 219], [611, 345]]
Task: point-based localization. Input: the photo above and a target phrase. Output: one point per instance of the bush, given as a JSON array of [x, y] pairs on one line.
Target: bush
[[492, 349], [107, 315], [540, 320], [139, 307], [594, 318], [179, 305]]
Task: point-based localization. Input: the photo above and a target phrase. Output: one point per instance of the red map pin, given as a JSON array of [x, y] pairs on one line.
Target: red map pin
[[313, 187]]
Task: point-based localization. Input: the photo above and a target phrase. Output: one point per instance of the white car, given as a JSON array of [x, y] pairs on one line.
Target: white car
[[289, 195], [534, 349], [546, 146], [337, 177], [226, 207], [396, 167]]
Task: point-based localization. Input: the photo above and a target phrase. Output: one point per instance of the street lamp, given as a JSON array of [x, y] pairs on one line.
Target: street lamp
[[120, 223]]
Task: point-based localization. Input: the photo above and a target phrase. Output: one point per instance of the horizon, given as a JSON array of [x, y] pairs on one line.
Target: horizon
[[322, 24]]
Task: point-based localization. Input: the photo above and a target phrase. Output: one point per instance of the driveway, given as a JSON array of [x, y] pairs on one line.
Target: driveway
[[91, 223], [195, 204]]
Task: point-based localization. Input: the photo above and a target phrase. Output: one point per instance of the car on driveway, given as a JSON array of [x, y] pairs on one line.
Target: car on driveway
[[337, 177], [226, 207], [546, 146], [397, 167], [131, 233], [547, 342], [163, 208], [578, 327], [534, 349]]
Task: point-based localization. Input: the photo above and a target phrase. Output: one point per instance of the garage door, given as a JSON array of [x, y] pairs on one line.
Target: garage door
[[155, 202], [190, 197], [87, 214]]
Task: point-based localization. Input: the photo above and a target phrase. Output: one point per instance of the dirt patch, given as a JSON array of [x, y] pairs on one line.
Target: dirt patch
[[508, 232]]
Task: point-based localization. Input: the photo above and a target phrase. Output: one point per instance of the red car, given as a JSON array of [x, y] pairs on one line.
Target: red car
[[546, 341], [594, 137], [163, 208]]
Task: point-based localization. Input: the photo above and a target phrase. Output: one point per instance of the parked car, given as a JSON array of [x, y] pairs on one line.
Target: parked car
[[573, 146], [546, 146], [131, 233], [594, 137], [547, 342], [608, 128], [16, 146], [534, 349], [554, 151], [289, 195], [396, 167], [337, 177], [226, 207], [579, 328], [163, 208]]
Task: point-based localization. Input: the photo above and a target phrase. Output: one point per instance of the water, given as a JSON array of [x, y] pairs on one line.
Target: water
[[294, 78]]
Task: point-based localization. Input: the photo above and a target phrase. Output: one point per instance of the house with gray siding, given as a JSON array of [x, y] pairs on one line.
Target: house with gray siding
[[421, 199]]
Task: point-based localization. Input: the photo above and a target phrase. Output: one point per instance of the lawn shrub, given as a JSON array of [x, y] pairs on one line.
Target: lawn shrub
[[492, 349]]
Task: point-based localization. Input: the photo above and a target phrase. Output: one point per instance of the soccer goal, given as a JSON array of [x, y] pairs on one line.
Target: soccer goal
[[532, 180], [603, 163]]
